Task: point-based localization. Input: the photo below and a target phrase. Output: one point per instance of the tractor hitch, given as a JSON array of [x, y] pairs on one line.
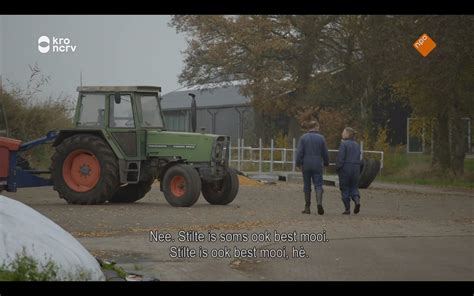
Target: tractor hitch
[[13, 175]]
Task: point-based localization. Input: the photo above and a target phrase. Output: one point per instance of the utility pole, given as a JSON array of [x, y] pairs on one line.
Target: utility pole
[[80, 79]]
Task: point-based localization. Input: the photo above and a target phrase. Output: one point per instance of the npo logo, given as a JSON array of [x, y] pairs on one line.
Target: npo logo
[[55, 44]]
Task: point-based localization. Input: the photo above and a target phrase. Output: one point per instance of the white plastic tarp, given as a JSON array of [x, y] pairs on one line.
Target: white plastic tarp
[[22, 228]]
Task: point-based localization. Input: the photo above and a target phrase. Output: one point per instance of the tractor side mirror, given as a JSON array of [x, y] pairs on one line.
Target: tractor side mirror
[[118, 98]]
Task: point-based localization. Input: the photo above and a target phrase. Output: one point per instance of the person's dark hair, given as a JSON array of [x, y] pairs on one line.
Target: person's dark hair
[[351, 132]]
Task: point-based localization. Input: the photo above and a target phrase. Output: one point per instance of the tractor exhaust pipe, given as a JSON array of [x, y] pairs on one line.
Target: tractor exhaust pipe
[[193, 112]]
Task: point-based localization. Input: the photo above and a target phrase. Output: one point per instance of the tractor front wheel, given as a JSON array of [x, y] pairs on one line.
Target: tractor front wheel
[[221, 192], [85, 170], [181, 185]]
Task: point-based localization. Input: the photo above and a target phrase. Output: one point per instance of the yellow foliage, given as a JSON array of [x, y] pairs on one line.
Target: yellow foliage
[[281, 140], [381, 144]]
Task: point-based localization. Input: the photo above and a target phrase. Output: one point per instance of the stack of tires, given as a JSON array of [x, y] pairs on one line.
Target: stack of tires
[[369, 169]]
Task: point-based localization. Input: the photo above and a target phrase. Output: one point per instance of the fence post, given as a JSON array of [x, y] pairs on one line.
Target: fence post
[[381, 160], [238, 154], [271, 156], [230, 153], [260, 155], [294, 155], [361, 150], [242, 158]]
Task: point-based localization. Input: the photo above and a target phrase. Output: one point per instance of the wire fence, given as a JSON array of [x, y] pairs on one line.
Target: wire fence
[[267, 159]]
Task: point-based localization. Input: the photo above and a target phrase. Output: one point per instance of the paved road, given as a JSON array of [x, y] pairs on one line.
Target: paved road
[[402, 233]]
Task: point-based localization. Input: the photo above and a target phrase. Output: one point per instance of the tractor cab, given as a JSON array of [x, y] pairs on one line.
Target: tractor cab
[[119, 107]]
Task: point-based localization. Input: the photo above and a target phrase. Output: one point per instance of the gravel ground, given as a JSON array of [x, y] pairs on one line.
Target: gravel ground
[[402, 233]]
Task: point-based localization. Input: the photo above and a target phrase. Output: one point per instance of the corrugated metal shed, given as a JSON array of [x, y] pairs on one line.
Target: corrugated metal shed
[[220, 110], [214, 97]]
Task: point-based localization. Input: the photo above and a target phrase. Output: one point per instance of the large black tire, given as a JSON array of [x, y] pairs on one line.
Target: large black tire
[[108, 181], [364, 178], [131, 192], [369, 170], [181, 185], [222, 192], [375, 169]]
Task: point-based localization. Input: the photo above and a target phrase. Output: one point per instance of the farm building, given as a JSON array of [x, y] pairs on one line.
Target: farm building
[[224, 110], [220, 110]]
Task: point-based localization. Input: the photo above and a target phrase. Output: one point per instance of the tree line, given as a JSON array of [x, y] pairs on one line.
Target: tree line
[[302, 65]]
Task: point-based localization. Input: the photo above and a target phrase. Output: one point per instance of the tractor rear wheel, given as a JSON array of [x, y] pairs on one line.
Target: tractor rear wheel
[[131, 192], [85, 170], [221, 192], [181, 185]]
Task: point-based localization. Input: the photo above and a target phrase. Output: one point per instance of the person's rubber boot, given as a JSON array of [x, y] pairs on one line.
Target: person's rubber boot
[[347, 206], [307, 198], [357, 204], [319, 200]]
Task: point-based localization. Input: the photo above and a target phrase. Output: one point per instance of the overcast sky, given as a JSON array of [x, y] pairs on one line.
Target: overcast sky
[[111, 50]]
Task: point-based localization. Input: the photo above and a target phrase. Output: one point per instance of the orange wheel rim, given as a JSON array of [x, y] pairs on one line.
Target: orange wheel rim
[[81, 170], [178, 186]]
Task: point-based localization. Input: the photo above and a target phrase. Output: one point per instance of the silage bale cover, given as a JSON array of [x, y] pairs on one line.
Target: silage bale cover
[[25, 231]]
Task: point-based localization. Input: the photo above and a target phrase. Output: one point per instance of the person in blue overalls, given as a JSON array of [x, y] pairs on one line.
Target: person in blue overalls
[[348, 169], [311, 155]]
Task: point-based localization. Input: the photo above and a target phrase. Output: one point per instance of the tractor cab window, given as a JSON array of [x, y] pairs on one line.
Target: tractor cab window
[[151, 113], [92, 110], [121, 112]]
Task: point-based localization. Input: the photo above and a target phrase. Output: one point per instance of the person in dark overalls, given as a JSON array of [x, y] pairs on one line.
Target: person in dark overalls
[[311, 155], [348, 169]]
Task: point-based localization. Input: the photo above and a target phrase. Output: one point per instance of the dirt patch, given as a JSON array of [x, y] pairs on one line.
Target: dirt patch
[[246, 181]]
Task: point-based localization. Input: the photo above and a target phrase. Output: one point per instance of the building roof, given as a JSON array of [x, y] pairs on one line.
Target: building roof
[[118, 88], [219, 96]]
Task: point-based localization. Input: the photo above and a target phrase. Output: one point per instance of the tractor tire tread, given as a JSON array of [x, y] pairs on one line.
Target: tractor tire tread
[[109, 182]]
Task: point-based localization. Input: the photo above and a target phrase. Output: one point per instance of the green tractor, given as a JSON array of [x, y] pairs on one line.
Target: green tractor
[[119, 146]]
